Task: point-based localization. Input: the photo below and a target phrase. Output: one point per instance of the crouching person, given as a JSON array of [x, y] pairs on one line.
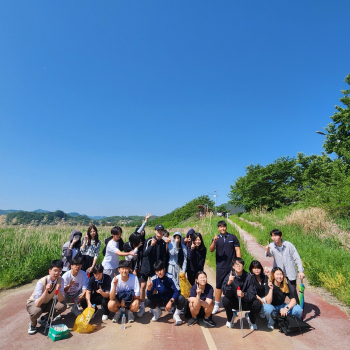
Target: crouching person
[[238, 277], [168, 293], [277, 291], [201, 301], [125, 293], [42, 298], [75, 283], [97, 291]]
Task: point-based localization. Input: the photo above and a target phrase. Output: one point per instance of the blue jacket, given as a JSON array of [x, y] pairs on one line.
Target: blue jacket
[[167, 287]]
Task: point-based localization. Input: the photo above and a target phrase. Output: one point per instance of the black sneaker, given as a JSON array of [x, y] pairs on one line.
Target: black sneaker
[[209, 322], [192, 321], [31, 329]]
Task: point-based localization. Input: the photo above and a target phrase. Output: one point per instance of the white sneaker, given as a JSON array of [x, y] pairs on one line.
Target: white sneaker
[[177, 319], [104, 317], [232, 323], [157, 312], [131, 317], [118, 315], [75, 310], [216, 309], [141, 311], [32, 329]]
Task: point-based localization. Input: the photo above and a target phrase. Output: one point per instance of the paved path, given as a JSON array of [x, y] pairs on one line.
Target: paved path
[[332, 327]]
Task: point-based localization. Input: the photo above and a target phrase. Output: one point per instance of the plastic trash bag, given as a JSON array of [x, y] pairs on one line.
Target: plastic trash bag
[[185, 286], [81, 324]]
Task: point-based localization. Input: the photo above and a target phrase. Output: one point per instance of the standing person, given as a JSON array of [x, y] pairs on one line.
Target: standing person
[[70, 249], [90, 249], [97, 291], [238, 277], [285, 256], [188, 239], [196, 254], [168, 293], [113, 251], [227, 249], [201, 301], [177, 257], [276, 292], [125, 293], [42, 298], [75, 283], [155, 249]]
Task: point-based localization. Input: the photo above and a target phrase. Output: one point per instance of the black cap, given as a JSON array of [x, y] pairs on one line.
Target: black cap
[[159, 227]]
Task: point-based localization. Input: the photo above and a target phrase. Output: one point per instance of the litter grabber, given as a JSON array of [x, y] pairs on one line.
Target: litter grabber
[[52, 311], [240, 311], [301, 297]]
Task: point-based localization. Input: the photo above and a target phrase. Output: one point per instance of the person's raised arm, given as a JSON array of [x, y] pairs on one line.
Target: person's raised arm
[[82, 248], [144, 223], [269, 295], [149, 246], [212, 246], [113, 288]]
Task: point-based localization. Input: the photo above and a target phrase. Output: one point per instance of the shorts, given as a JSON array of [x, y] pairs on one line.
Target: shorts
[[143, 277], [220, 276]]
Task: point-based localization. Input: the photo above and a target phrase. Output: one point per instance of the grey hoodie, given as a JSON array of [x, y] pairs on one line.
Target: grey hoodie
[[67, 253]]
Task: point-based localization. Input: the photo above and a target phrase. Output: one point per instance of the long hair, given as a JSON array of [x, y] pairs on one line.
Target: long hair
[[257, 264], [89, 234], [193, 238], [284, 285]]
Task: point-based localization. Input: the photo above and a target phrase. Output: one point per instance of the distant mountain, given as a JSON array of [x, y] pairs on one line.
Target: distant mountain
[[40, 211], [73, 214], [232, 209], [4, 212], [96, 217]]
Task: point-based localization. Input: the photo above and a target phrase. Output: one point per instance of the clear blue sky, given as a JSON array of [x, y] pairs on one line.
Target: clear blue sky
[[127, 107]]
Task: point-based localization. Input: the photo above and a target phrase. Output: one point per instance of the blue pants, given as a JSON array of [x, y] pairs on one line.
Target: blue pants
[[296, 311]]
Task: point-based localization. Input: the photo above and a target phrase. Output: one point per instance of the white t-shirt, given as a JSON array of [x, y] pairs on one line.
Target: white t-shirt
[[131, 284], [80, 281], [111, 259]]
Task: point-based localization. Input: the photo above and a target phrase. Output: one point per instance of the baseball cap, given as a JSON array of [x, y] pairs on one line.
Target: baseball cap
[[159, 227]]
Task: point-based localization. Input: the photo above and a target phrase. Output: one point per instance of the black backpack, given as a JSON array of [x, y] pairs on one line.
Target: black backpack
[[290, 324]]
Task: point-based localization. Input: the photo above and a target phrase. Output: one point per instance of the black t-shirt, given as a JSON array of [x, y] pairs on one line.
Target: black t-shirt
[[94, 284], [208, 292], [260, 288], [225, 250], [278, 297]]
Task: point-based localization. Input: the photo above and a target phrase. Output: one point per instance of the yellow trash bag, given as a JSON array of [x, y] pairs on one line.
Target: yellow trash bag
[[81, 324], [185, 286]]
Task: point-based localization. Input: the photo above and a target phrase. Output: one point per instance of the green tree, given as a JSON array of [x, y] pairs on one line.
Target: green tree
[[338, 137]]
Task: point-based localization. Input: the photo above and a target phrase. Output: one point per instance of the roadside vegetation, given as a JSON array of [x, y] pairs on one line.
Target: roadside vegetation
[[322, 245]]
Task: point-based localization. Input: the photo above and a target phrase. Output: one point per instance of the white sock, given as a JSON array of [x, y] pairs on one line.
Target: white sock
[[217, 303], [177, 312]]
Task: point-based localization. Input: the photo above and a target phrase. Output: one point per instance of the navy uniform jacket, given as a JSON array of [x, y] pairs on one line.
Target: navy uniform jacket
[[225, 250]]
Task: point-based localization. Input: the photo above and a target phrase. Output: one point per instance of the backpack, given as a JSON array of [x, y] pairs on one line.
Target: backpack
[[290, 324]]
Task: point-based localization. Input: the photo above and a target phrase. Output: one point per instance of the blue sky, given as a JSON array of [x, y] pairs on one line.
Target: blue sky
[[128, 107]]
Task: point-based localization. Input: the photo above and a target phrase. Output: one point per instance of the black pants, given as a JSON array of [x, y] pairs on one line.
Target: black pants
[[293, 288], [87, 262], [155, 300], [233, 303], [191, 276], [97, 299]]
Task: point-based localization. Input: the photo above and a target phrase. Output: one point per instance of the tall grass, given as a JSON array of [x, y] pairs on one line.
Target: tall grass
[[27, 252], [325, 258]]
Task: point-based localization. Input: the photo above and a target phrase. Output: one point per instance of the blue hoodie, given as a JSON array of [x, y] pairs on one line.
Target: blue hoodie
[[167, 287]]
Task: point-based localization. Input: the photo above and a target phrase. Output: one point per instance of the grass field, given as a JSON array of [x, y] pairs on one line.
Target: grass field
[[28, 251], [321, 246]]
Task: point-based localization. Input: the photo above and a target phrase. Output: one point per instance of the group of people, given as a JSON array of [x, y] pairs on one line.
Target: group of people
[[149, 277]]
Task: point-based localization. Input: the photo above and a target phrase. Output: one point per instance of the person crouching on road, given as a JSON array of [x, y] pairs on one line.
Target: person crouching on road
[[97, 291], [238, 277], [201, 301], [75, 282], [125, 293], [168, 293], [42, 298], [276, 292]]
